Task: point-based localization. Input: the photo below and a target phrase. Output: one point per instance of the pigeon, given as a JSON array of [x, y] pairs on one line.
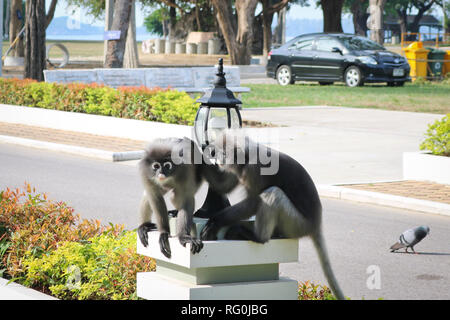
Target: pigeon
[[410, 238]]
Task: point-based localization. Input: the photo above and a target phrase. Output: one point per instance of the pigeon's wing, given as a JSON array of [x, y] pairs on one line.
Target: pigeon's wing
[[397, 246], [408, 237]]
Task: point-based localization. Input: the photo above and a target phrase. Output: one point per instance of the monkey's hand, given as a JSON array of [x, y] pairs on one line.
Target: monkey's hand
[[164, 244], [143, 230], [209, 231], [196, 244]]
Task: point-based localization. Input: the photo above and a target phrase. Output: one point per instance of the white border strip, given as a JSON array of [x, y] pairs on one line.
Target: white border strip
[[87, 152], [93, 124], [15, 291]]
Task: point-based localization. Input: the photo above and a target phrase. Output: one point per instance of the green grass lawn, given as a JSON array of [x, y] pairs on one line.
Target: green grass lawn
[[76, 48], [427, 97]]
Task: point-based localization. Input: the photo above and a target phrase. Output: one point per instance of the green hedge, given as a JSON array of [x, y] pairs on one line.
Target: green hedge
[[45, 246], [438, 137], [141, 103]]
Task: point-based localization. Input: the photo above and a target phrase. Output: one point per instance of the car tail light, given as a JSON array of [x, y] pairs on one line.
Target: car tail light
[[269, 54]]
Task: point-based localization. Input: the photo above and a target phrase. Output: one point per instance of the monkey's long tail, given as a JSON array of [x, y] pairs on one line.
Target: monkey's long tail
[[319, 243]]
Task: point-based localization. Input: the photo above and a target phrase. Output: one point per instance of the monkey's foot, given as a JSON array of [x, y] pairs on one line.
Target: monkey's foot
[[209, 231], [143, 229], [164, 244], [196, 244]]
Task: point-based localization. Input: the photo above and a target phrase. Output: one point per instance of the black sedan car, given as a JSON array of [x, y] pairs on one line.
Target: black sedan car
[[327, 58]]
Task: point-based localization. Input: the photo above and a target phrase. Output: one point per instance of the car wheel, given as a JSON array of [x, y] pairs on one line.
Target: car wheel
[[325, 83], [284, 75], [353, 77]]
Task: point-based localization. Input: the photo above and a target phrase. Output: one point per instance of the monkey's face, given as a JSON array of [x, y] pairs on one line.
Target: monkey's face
[[161, 171]]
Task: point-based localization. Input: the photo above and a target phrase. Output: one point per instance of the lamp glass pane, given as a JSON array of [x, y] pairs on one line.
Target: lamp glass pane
[[217, 123], [199, 126], [235, 124]]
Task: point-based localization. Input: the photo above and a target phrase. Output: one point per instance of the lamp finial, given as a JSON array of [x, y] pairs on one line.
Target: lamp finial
[[220, 80]]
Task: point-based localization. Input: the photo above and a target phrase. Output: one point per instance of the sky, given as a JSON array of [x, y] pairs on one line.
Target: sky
[[296, 11]]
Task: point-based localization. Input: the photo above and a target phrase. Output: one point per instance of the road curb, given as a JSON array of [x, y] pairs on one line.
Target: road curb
[[384, 199]]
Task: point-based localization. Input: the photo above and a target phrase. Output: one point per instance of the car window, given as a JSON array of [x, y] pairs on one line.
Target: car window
[[327, 44], [360, 43], [302, 44]]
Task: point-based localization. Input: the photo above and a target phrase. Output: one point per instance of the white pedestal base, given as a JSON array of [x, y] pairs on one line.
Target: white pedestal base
[[222, 270], [152, 286]]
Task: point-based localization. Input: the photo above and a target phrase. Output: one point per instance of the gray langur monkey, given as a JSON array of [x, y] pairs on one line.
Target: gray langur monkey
[[285, 204], [161, 173]]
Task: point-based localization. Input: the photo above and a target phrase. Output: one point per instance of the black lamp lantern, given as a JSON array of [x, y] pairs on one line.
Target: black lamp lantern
[[218, 111]]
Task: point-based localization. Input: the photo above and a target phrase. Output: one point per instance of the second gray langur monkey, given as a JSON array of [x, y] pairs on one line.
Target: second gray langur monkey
[[160, 174], [285, 204]]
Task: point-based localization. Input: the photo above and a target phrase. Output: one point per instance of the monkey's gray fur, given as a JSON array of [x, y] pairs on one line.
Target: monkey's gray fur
[[285, 204], [161, 174]]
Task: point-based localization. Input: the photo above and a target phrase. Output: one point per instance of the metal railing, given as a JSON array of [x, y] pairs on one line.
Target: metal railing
[[429, 38]]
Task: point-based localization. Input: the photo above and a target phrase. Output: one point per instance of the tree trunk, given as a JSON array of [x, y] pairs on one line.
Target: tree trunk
[[376, 8], [197, 16], [359, 17], [15, 25], [7, 18], [131, 55], [402, 15], [172, 23], [109, 13], [267, 19], [239, 42], [116, 48], [332, 12], [35, 39], [50, 13], [280, 29], [267, 32]]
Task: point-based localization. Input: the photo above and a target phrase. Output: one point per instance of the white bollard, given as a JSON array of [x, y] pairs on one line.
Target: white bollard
[[191, 48], [170, 47], [180, 48], [202, 48], [213, 46], [160, 46]]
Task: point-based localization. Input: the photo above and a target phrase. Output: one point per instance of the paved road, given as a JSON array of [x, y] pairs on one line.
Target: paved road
[[358, 236], [344, 145]]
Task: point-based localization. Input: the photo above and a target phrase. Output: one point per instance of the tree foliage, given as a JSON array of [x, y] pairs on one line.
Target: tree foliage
[[155, 20], [95, 8], [401, 9]]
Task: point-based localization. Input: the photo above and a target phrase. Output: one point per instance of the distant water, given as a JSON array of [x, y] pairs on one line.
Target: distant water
[[92, 37]]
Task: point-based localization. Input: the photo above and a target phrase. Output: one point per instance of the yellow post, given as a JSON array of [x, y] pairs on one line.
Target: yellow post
[[446, 63], [417, 58]]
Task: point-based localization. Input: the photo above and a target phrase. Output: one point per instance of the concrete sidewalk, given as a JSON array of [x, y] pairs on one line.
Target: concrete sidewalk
[[352, 150]]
